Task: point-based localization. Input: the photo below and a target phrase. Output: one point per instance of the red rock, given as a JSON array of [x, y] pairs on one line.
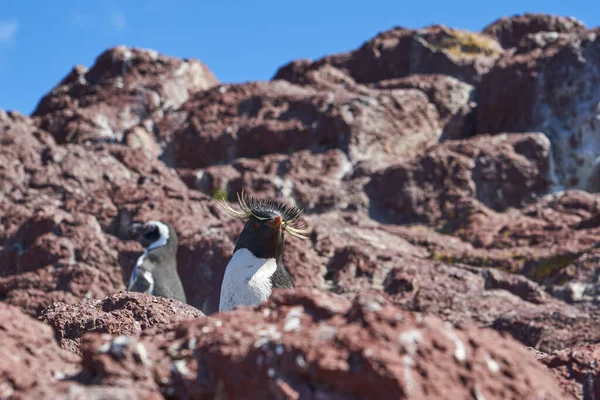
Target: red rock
[[576, 370], [61, 206], [315, 345], [126, 88], [76, 391], [124, 313], [540, 241], [500, 171], [454, 100], [467, 231], [251, 120], [400, 52], [557, 94], [30, 356], [511, 30], [317, 182]]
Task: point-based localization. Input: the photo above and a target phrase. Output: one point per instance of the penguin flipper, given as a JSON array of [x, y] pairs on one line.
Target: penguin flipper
[[281, 279], [141, 281]]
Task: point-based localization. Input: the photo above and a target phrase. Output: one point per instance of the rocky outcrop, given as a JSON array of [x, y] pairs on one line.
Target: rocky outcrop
[[65, 210], [301, 344], [254, 119], [30, 356], [121, 97], [558, 95], [427, 162], [512, 31], [454, 100], [500, 171], [313, 345], [575, 369], [124, 313], [400, 52]]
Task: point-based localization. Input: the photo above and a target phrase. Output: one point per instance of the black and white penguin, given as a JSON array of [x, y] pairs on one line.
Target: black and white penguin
[[256, 267], [155, 272]]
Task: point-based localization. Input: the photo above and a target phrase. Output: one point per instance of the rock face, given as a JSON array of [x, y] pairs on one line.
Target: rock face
[[500, 171], [511, 31], [311, 345], [558, 95], [427, 162], [255, 119], [124, 313], [454, 100], [65, 210], [576, 370], [82, 106], [29, 353], [400, 52]]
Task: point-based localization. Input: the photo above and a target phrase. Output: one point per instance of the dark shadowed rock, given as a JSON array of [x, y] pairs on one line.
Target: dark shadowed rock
[[30, 356], [126, 90], [313, 345], [124, 313], [558, 94], [400, 52], [511, 30]]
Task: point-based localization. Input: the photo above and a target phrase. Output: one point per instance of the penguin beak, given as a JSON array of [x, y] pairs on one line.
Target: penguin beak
[[137, 229], [275, 223]]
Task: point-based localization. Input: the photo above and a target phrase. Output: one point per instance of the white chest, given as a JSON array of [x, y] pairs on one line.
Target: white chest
[[247, 280], [140, 273]]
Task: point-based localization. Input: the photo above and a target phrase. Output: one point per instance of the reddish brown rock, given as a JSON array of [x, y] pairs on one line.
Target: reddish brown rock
[[543, 241], [511, 30], [250, 120], [406, 272], [30, 356], [316, 182], [557, 88], [400, 52], [315, 345], [576, 370], [72, 390], [126, 88], [124, 313], [454, 100], [61, 207], [435, 228], [500, 171]]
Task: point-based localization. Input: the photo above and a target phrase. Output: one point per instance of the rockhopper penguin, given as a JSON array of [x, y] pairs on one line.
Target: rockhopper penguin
[[155, 272], [256, 267]]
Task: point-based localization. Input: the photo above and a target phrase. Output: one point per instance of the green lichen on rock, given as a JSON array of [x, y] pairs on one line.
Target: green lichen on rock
[[544, 268], [460, 43], [219, 194], [509, 263]]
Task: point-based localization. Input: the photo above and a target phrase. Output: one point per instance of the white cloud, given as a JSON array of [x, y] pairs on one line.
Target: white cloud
[[8, 29], [118, 21]]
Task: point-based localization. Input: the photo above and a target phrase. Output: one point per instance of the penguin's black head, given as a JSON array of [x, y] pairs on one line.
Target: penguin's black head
[[267, 221], [152, 233]]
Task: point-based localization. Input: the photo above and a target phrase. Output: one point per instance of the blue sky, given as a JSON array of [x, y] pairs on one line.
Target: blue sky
[[40, 41]]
